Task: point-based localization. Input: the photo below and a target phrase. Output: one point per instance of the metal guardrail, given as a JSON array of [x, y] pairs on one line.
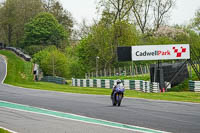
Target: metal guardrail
[[53, 79], [194, 86], [19, 53], [138, 85]]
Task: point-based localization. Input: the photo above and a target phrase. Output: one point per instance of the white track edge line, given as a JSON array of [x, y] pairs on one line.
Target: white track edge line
[[6, 70], [81, 116], [8, 130]]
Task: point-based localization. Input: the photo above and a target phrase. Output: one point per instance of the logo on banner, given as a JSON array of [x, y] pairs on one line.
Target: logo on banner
[[161, 52], [179, 53]]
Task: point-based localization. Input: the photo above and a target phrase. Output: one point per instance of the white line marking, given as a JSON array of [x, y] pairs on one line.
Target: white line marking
[[6, 70], [8, 130], [83, 117]]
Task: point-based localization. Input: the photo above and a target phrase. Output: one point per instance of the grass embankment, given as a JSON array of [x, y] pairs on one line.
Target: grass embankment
[[19, 71], [20, 74], [3, 131]]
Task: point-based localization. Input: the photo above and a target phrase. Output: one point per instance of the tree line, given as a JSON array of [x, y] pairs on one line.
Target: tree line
[[44, 29]]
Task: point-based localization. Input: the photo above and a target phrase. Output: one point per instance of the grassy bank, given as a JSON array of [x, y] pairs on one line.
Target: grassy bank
[[20, 74], [18, 70], [3, 131]]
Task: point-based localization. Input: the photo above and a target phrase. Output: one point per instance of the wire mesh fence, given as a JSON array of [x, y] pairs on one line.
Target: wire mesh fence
[[120, 71]]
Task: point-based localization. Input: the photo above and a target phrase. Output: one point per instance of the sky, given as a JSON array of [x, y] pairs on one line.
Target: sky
[[182, 13], [81, 9]]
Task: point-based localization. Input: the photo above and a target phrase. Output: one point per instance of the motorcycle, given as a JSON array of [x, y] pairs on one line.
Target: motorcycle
[[117, 97]]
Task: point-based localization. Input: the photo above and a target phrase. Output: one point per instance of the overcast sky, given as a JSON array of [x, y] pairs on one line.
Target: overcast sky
[[86, 9]]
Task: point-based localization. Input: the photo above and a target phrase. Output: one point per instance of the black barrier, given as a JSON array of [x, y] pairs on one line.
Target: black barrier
[[124, 53], [1, 45], [168, 72], [19, 53]]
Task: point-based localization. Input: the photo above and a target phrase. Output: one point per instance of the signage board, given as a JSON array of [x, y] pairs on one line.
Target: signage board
[[124, 53], [161, 52]]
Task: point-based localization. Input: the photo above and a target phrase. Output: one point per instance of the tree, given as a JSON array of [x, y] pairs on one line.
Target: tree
[[7, 20], [47, 4], [119, 8], [161, 9], [83, 31], [44, 29], [104, 38], [75, 68], [141, 11], [119, 11], [86, 52], [52, 62], [14, 14], [63, 16], [196, 21], [99, 44], [173, 35]]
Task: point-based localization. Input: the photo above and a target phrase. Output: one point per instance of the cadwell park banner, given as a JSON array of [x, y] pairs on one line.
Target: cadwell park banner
[[161, 52]]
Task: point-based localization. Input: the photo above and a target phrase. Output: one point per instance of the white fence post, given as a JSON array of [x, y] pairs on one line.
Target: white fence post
[[73, 82], [78, 82], [155, 87], [107, 83], [98, 83], [137, 85], [127, 84], [84, 83]]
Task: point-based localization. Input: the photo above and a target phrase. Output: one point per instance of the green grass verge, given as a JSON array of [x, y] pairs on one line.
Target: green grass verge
[[170, 96], [18, 71], [20, 74], [3, 131]]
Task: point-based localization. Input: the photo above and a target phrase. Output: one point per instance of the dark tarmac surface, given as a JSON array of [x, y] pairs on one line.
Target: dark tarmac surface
[[177, 117]]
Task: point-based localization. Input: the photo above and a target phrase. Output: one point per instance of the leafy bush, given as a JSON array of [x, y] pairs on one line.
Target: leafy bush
[[52, 62], [75, 68], [33, 49], [181, 87]]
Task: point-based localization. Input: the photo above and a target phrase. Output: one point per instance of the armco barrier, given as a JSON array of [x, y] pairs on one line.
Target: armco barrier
[[194, 86], [99, 83], [19, 53], [107, 83], [127, 84], [155, 87], [139, 85], [57, 80], [147, 87], [81, 83], [84, 83], [103, 83], [132, 84], [88, 83], [78, 82]]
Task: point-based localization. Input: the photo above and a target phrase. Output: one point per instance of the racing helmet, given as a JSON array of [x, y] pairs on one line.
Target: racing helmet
[[119, 81]]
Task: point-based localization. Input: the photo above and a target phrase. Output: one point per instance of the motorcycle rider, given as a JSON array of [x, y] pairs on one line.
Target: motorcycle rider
[[118, 85]]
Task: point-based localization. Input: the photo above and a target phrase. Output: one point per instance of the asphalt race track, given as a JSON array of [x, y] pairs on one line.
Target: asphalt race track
[[24, 122], [177, 117], [2, 69]]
